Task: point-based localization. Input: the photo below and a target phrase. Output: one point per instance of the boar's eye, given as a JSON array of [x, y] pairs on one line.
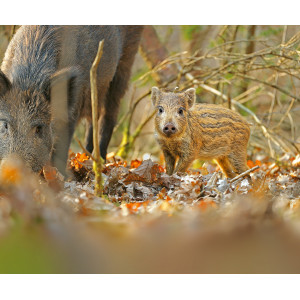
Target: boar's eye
[[3, 126], [180, 111], [39, 129], [160, 110]]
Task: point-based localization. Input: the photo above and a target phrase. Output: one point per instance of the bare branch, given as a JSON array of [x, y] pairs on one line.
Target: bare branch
[[243, 174], [94, 97]]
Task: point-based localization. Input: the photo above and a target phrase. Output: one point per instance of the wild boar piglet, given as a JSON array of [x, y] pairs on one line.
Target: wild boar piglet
[[187, 131]]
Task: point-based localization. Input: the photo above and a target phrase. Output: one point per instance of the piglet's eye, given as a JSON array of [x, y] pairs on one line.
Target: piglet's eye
[[160, 110], [180, 111]]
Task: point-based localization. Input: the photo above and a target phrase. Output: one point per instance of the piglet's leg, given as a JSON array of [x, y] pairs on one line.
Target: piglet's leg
[[170, 162], [183, 163], [239, 161], [226, 166]]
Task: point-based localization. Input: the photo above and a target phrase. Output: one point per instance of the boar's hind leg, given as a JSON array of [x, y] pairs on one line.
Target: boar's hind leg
[[89, 137], [109, 117], [118, 86], [115, 93], [89, 143]]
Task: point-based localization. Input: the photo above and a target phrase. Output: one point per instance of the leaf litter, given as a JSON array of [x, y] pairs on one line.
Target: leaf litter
[[140, 197]]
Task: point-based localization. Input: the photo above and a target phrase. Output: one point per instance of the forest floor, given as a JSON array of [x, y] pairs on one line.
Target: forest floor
[[149, 222]]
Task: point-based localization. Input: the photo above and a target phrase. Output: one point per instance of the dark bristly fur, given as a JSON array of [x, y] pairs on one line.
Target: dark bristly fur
[[33, 63], [187, 131]]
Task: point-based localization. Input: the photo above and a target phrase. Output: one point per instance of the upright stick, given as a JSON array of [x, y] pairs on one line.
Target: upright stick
[[97, 164]]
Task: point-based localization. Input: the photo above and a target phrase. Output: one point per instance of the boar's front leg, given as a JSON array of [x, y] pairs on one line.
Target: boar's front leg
[[65, 104], [116, 91], [107, 124], [63, 134], [107, 121]]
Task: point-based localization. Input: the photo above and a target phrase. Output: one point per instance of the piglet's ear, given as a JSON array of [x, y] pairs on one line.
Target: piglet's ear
[[5, 84], [155, 95], [191, 96]]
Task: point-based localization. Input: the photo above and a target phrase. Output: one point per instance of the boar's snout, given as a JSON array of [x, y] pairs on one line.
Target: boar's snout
[[13, 160], [169, 129]]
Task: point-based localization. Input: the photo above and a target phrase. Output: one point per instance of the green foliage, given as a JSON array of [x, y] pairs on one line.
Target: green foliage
[[199, 90], [214, 43], [248, 105], [189, 30], [270, 60], [197, 164], [243, 28], [79, 133], [229, 76], [270, 31], [141, 71]]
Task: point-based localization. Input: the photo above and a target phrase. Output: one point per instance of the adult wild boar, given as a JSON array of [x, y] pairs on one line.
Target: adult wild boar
[[39, 59]]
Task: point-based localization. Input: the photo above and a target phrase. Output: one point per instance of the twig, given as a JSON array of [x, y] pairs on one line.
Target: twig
[[84, 149], [245, 94], [247, 57], [291, 142], [97, 163], [169, 60], [268, 84], [285, 114], [279, 59], [128, 140], [235, 42], [124, 117], [243, 174], [212, 181], [292, 41], [271, 110], [142, 125]]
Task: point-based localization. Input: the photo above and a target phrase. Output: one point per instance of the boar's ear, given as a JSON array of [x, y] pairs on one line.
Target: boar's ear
[[155, 92], [5, 84], [191, 96], [65, 84]]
